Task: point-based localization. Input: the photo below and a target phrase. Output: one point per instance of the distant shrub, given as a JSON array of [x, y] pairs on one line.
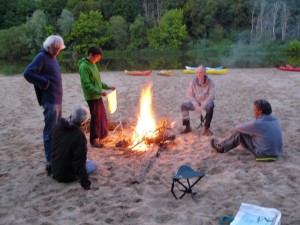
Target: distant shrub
[[294, 46]]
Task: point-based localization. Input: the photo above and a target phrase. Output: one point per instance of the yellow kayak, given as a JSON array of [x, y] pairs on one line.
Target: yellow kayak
[[209, 71], [165, 72]]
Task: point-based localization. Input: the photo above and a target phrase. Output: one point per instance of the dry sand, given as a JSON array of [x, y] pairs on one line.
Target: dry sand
[[29, 196]]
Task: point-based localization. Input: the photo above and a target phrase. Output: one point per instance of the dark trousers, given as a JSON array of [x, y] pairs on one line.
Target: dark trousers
[[188, 106], [98, 126], [243, 139]]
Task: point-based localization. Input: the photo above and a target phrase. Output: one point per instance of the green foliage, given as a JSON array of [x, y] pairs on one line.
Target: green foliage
[[85, 7], [49, 30], [15, 12], [119, 31], [202, 16], [170, 33], [15, 44], [37, 25], [294, 46], [90, 29], [52, 8], [294, 60], [128, 9], [138, 30], [65, 22]]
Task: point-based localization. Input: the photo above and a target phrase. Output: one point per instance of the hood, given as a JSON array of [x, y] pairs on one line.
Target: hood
[[84, 60], [66, 125]]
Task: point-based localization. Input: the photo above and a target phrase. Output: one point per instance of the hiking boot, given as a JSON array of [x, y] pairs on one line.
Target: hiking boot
[[215, 145], [207, 132], [48, 169], [96, 143], [186, 123], [186, 130]]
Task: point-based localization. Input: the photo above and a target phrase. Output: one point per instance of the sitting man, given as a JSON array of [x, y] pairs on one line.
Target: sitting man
[[261, 136], [69, 149], [201, 94]]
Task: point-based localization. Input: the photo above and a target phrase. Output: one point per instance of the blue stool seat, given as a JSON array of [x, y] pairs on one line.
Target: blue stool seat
[[186, 172]]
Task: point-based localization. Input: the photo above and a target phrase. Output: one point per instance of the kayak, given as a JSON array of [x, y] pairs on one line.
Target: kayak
[[207, 68], [165, 72], [138, 73], [294, 69], [208, 71]]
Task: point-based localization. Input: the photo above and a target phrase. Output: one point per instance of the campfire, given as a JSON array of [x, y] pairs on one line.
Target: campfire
[[146, 126], [147, 132]]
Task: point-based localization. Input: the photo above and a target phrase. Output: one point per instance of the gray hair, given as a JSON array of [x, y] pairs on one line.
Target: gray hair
[[203, 68], [55, 41], [80, 115]]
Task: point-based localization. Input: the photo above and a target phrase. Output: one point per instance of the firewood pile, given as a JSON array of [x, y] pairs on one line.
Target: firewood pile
[[162, 136]]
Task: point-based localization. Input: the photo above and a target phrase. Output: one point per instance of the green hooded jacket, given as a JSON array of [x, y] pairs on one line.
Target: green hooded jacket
[[90, 80]]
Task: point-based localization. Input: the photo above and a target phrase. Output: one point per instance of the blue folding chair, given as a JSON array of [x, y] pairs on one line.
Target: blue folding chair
[[186, 172]]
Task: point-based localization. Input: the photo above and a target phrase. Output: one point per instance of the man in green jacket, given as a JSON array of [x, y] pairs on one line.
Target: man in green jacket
[[92, 87]]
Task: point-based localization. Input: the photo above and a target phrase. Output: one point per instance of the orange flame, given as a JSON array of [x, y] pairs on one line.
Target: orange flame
[[146, 125]]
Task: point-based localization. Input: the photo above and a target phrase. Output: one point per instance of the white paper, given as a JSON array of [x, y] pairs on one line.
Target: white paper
[[112, 101], [255, 215]]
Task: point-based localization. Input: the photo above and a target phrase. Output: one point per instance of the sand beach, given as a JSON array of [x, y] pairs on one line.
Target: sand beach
[[29, 196]]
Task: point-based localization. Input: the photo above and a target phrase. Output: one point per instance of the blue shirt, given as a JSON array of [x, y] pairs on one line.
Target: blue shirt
[[266, 134], [44, 73]]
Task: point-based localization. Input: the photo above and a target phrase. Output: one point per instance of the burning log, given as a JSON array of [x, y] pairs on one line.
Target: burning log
[[161, 139]]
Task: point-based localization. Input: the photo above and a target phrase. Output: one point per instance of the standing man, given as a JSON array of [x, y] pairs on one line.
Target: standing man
[[201, 95], [261, 136], [92, 87], [44, 73], [69, 149]]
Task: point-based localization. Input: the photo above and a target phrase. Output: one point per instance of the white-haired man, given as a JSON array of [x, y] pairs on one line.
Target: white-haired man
[[44, 73], [69, 149], [201, 95]]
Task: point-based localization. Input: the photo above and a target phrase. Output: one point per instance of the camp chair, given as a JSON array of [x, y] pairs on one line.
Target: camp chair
[[201, 121], [186, 172]]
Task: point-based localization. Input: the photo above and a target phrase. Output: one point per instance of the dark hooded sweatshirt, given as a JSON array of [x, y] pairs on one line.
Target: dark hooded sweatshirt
[[68, 153]]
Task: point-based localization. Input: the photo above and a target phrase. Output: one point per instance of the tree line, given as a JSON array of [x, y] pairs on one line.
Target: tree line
[[139, 24]]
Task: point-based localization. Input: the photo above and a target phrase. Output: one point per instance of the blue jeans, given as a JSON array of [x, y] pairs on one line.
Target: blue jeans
[[91, 166], [52, 114]]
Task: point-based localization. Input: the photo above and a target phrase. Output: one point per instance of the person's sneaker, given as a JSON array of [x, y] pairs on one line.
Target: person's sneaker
[[207, 132], [215, 145], [97, 144], [48, 169], [186, 130]]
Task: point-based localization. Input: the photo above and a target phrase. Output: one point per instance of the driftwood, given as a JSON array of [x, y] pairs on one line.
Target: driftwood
[[150, 157], [159, 143]]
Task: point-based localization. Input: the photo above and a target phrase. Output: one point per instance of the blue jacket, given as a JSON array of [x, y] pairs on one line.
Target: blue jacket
[[44, 73], [266, 134]]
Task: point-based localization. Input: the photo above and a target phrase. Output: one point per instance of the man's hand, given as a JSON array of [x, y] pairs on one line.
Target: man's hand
[[198, 109], [113, 88]]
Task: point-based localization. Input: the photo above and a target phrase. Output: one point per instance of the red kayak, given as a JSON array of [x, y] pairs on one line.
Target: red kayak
[[288, 68], [138, 73]]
